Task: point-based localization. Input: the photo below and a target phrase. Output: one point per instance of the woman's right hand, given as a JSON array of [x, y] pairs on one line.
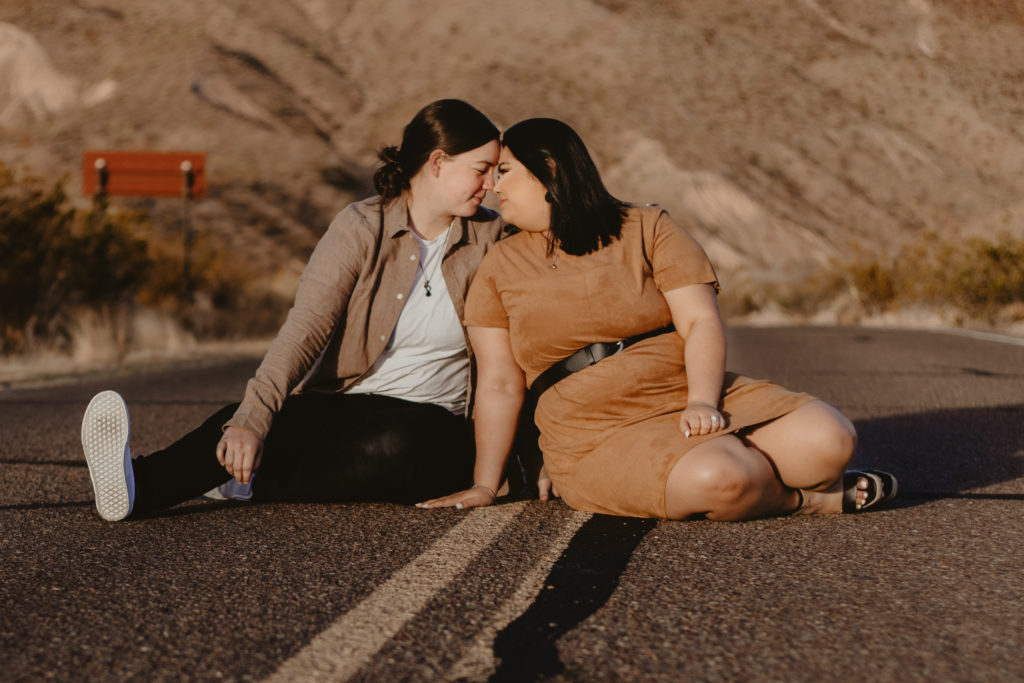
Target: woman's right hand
[[239, 451], [699, 419], [477, 496]]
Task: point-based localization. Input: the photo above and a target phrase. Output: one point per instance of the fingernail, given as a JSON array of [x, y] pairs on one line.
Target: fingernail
[[458, 506], [420, 505], [687, 433]]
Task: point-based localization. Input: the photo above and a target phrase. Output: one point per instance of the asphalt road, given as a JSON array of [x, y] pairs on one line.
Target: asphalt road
[[929, 589]]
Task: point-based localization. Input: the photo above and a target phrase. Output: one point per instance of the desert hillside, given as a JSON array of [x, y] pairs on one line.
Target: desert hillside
[[790, 130]]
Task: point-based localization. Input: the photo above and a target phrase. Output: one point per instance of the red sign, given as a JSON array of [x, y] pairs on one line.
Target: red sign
[[144, 174]]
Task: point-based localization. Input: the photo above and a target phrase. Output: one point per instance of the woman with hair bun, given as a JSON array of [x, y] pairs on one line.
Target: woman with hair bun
[[362, 395], [608, 312]]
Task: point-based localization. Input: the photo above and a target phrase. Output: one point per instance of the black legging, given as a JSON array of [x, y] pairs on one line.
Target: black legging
[[323, 448]]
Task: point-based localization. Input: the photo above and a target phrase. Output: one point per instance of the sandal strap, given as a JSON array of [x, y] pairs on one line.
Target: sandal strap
[[802, 503], [889, 486], [851, 489]]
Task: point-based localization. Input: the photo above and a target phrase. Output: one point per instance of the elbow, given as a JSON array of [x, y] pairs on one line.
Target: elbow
[[511, 388], [709, 321], [512, 385]]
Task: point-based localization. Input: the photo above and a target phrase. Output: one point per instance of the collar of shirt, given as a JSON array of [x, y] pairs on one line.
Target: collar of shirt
[[396, 223]]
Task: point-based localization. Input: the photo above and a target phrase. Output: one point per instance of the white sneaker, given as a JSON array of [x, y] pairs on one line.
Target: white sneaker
[[105, 430]]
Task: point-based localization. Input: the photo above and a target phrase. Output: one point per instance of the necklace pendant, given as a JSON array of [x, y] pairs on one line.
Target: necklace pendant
[[426, 286], [554, 266]]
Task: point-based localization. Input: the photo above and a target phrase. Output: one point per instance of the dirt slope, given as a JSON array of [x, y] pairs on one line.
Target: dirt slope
[[788, 128]]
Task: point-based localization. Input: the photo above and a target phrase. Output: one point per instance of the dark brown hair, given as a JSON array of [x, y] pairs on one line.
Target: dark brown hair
[[584, 215], [453, 126]]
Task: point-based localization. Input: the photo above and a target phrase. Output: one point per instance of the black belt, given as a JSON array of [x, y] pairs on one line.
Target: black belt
[[586, 357]]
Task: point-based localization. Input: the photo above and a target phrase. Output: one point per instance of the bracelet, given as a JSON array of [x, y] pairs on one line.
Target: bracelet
[[486, 488]]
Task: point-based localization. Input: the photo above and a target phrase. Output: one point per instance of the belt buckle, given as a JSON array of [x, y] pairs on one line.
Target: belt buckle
[[597, 351], [606, 350]]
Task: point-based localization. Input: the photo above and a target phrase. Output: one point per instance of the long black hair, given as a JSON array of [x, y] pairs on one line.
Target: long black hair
[[584, 215], [452, 126]]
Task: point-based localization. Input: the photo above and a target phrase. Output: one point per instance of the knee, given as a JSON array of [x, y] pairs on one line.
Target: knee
[[723, 481], [837, 440], [825, 435], [386, 446]]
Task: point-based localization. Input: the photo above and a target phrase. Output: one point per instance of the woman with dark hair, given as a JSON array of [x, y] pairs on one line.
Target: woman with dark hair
[[374, 343], [608, 313]]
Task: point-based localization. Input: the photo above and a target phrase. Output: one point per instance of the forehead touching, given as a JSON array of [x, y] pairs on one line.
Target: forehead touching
[[485, 154], [507, 156]]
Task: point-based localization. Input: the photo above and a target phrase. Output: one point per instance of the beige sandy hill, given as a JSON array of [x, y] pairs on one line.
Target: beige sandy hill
[[786, 128]]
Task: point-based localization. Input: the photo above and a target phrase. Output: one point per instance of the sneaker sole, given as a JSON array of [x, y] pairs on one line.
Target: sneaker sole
[[105, 429]]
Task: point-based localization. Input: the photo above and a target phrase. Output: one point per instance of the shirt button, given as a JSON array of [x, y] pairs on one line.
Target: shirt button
[[383, 338], [412, 257], [400, 296]]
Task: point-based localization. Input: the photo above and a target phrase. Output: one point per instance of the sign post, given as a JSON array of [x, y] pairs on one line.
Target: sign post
[[188, 187], [150, 174]]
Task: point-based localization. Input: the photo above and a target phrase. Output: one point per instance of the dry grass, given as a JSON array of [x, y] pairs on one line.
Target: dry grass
[[978, 282], [99, 284]]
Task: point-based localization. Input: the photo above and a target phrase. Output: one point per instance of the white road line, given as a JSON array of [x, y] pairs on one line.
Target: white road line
[[477, 663], [986, 336], [350, 642]]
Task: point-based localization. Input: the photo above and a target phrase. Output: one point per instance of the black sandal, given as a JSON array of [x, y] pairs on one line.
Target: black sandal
[[881, 488]]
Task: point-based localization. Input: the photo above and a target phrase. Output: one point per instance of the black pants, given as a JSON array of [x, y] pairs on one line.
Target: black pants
[[323, 448]]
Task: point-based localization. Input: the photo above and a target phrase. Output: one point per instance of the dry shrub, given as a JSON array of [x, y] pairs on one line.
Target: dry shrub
[[99, 335], [986, 276], [230, 301], [800, 294], [76, 281], [978, 276], [55, 260], [983, 279]]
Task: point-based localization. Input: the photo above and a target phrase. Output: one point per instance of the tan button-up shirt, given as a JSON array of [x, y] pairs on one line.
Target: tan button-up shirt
[[348, 302]]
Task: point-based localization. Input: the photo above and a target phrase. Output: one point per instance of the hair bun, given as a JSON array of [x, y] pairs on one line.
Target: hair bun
[[390, 155], [389, 179]]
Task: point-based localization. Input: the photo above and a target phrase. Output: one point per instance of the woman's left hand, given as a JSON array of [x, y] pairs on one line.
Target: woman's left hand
[[545, 487], [699, 419], [477, 496]]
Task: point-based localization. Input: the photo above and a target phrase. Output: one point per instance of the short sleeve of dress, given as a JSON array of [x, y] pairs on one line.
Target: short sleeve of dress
[[483, 304], [676, 259]]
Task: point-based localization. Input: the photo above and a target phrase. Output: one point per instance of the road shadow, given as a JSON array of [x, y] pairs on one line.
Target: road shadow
[[947, 453], [580, 583]]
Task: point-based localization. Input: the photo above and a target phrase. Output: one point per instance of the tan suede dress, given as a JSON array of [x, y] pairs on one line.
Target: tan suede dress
[[610, 433]]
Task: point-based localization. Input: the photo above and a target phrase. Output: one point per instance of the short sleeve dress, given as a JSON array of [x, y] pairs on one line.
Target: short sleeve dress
[[610, 433]]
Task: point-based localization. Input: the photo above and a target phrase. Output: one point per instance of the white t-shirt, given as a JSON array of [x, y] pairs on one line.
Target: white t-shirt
[[425, 360]]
